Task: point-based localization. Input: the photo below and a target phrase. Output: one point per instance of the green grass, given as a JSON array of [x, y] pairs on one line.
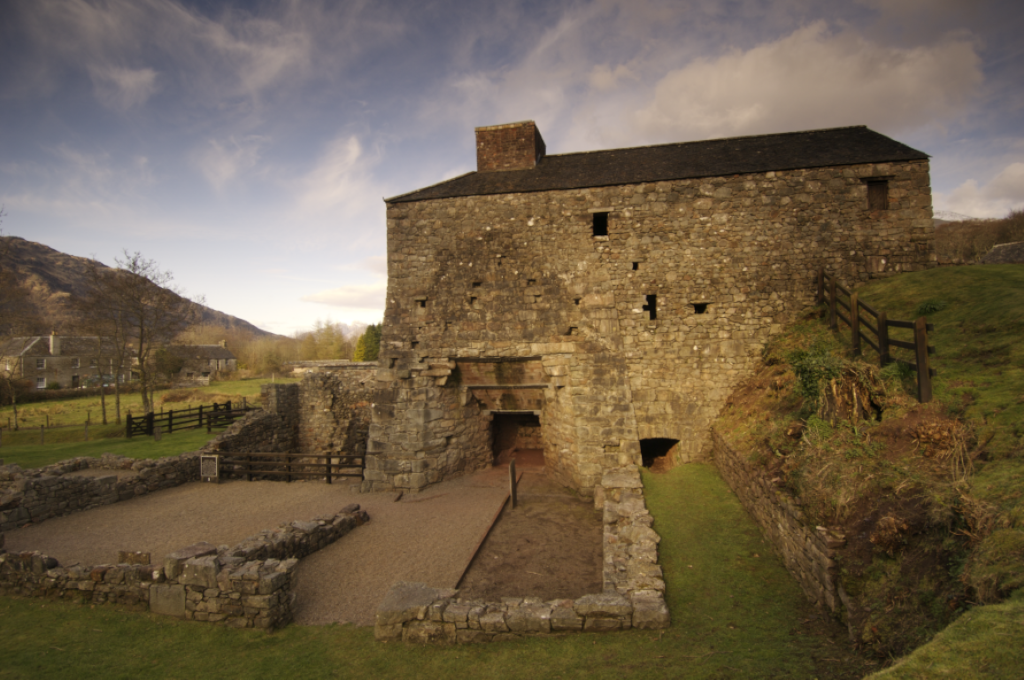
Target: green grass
[[736, 613], [76, 411], [986, 642], [33, 456]]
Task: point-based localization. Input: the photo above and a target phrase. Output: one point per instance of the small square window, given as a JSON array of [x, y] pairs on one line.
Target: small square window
[[601, 224], [40, 365], [40, 383], [75, 363]]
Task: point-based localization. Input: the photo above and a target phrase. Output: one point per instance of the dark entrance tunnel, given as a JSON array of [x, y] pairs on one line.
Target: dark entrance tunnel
[[652, 449], [512, 432]]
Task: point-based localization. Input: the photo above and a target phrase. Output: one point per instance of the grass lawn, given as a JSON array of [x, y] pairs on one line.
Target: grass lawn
[[33, 456], [736, 614]]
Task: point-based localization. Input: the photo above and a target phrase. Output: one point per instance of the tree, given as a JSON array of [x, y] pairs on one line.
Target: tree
[[368, 344], [137, 307]]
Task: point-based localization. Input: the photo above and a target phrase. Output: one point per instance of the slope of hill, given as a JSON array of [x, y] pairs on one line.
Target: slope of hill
[[53, 279]]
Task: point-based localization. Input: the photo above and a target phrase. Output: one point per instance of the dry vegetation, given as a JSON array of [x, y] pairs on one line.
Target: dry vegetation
[[969, 241]]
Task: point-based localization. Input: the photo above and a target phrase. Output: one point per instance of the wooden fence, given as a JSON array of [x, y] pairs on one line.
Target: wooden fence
[[841, 299], [291, 465], [215, 415]]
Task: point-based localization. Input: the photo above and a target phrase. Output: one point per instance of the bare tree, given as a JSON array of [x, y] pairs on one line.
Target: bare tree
[[138, 308]]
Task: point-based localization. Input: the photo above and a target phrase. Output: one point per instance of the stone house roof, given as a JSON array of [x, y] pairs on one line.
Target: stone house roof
[[39, 346], [203, 352], [685, 160]]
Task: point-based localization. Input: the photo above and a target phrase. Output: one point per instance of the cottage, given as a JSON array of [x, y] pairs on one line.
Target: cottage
[[61, 361], [602, 305], [199, 362]]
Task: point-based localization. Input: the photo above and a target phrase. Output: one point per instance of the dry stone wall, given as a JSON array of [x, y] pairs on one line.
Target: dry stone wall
[[32, 496], [642, 332], [807, 552], [249, 585], [633, 595], [334, 411]]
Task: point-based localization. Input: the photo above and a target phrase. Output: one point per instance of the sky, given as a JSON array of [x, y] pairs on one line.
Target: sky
[[247, 147]]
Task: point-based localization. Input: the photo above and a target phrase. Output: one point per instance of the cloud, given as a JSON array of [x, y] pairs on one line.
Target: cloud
[[120, 88], [813, 78], [221, 162], [1003, 193], [358, 296]]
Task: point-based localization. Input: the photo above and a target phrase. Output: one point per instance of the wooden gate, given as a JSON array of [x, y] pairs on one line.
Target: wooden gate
[[291, 465]]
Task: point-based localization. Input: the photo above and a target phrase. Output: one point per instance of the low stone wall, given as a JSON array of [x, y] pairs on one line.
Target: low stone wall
[[32, 496], [275, 428], [807, 552], [633, 594], [246, 586]]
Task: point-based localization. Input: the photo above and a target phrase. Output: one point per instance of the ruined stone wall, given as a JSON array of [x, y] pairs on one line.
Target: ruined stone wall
[[721, 262], [334, 411], [32, 496], [247, 586]]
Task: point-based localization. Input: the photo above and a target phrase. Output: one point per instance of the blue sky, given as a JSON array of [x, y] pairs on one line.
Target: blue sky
[[247, 146]]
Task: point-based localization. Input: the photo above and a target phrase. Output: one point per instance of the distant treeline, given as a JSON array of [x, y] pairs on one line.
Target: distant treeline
[[970, 240]]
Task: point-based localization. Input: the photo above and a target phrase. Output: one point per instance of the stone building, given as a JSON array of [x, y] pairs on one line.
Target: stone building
[[202, 361], [604, 304], [61, 360]]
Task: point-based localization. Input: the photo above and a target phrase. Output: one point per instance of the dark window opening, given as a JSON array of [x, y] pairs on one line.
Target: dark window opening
[[636, 266], [531, 282], [573, 331], [422, 303], [577, 300], [391, 362], [472, 302], [414, 344], [600, 224], [476, 284], [652, 306], [652, 449], [878, 195], [700, 307]]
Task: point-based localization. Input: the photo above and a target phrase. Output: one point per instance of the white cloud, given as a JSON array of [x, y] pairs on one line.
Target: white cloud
[[120, 88], [358, 296], [221, 162], [1003, 193], [813, 78]]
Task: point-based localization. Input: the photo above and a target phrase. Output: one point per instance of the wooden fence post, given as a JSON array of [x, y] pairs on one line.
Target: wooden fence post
[[149, 424], [820, 296], [855, 323], [170, 421], [128, 426], [512, 482], [883, 339], [200, 416], [833, 302], [924, 376]]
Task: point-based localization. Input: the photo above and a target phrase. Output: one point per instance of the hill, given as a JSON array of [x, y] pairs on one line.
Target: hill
[[53, 279]]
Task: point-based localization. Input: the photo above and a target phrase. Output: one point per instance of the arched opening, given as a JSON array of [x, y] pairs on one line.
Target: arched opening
[[517, 436], [656, 449]]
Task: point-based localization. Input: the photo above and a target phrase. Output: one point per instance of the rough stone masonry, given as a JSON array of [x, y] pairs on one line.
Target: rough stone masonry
[[617, 296]]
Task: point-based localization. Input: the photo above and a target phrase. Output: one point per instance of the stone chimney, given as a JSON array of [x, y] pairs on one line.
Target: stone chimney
[[513, 146], [54, 344], [223, 343]]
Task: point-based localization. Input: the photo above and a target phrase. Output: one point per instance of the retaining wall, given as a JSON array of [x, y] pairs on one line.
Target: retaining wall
[[633, 594], [807, 552]]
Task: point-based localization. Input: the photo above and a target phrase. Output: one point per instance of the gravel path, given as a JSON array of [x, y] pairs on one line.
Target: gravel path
[[428, 537]]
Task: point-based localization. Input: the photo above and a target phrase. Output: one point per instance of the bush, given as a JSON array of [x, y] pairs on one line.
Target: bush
[[813, 367]]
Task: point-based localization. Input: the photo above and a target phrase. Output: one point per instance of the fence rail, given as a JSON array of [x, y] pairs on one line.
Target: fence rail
[[292, 465], [215, 415], [840, 299]]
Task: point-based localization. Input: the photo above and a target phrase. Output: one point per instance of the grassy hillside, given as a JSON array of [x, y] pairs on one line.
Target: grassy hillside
[[928, 496]]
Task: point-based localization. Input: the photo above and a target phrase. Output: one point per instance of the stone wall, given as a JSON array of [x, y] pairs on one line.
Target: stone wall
[[807, 552], [641, 333], [32, 496], [633, 594], [334, 411], [247, 586]]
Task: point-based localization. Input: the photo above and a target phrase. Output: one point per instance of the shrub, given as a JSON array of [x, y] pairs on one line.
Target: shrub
[[813, 367]]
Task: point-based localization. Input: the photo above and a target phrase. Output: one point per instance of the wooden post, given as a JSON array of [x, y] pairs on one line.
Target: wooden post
[[855, 323], [329, 463], [128, 427], [170, 421], [512, 482], [833, 318], [200, 416], [883, 339], [820, 297], [924, 376]]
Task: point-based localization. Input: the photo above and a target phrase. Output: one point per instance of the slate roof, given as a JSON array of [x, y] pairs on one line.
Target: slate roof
[[201, 351], [70, 346], [684, 160]]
